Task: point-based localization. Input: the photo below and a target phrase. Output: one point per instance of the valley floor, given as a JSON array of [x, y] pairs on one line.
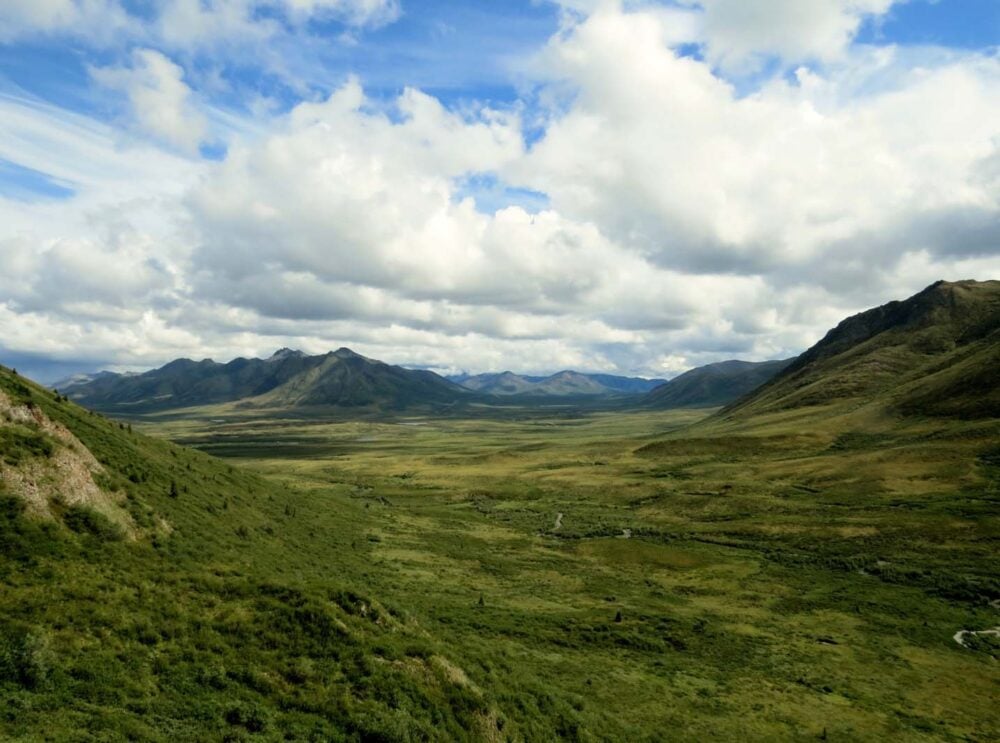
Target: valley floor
[[616, 576]]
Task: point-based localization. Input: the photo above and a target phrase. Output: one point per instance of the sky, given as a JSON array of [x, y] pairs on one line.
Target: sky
[[480, 185]]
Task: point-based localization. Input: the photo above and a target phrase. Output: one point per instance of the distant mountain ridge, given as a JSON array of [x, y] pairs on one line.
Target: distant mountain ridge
[[288, 378], [343, 378], [713, 384], [561, 384], [934, 354]]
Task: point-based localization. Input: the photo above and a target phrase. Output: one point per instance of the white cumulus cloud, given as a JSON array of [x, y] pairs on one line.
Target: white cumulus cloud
[[673, 218], [161, 101], [823, 172], [796, 30]]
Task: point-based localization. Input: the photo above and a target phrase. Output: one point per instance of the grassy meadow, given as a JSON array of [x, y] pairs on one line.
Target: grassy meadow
[[629, 576]]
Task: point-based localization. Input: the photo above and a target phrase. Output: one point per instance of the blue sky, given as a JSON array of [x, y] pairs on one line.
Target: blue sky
[[968, 24], [635, 187], [453, 50]]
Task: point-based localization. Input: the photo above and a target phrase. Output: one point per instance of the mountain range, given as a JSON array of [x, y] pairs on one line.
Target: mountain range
[[936, 353], [287, 379], [345, 379]]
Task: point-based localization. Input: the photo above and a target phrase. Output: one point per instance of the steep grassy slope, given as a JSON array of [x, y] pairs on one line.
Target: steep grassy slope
[[932, 354], [712, 385], [219, 606]]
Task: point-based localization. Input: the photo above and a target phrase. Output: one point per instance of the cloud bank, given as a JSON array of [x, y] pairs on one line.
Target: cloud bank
[[678, 216]]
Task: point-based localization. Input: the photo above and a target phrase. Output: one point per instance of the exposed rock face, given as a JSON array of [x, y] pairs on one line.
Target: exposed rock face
[[64, 479]]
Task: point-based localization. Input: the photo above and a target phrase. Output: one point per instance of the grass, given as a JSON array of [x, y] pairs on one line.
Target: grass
[[797, 578], [20, 442], [780, 582], [218, 623]]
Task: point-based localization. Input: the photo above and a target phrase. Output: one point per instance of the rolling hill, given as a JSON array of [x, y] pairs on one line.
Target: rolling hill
[[289, 378], [935, 354], [713, 384]]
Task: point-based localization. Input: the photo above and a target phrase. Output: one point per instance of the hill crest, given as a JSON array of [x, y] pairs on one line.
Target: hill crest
[[936, 353]]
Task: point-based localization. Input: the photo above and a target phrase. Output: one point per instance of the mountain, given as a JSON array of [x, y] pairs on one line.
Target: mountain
[[934, 354], [346, 379], [288, 378], [504, 383], [627, 385], [713, 384], [561, 384], [76, 379]]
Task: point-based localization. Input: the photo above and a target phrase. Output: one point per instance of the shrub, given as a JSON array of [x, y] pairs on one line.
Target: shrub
[[22, 538], [19, 443], [253, 717], [84, 520], [25, 658]]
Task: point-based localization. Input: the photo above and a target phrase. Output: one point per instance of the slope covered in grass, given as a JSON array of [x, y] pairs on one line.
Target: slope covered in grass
[[233, 611], [933, 354]]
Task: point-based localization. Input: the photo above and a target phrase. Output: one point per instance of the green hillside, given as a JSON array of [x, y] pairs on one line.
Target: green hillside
[[934, 354], [185, 599]]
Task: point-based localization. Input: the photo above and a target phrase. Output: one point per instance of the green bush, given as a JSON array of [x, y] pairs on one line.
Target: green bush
[[253, 717], [18, 443], [23, 539], [84, 520], [25, 658]]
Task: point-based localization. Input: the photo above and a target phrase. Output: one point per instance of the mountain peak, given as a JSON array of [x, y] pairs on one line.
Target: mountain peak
[[285, 353], [345, 353]]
